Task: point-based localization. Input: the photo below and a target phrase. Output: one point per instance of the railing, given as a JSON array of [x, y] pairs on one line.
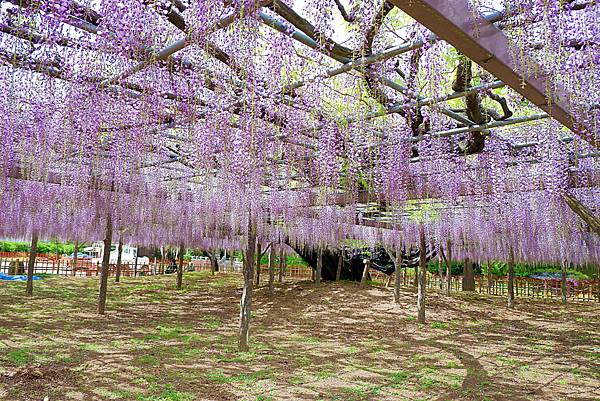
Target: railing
[[66, 267], [85, 267], [293, 272], [577, 290], [525, 287], [21, 255]]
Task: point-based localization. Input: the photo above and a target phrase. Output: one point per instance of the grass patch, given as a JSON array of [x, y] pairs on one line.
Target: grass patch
[[399, 378], [91, 347], [211, 322], [20, 356], [242, 357], [305, 339], [439, 325], [168, 394], [218, 376], [147, 360]]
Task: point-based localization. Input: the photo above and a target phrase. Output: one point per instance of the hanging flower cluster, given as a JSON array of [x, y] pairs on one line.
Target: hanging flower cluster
[[182, 120]]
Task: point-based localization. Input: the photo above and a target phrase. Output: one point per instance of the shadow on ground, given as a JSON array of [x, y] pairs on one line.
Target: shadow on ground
[[333, 342]]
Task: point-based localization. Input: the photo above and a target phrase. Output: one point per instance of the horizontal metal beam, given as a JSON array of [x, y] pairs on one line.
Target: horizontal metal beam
[[467, 30], [481, 127], [181, 44]]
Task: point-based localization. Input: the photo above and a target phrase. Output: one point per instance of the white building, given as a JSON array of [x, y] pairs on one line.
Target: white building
[[128, 256]]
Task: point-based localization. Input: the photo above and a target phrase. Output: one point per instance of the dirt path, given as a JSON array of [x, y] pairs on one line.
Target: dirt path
[[335, 342]]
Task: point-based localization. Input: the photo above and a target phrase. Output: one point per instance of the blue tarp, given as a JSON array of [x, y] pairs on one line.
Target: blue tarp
[[6, 277]]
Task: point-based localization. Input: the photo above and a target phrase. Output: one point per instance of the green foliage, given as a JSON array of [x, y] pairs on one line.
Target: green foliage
[[456, 267], [422, 212], [292, 260], [53, 247], [501, 269], [526, 270]]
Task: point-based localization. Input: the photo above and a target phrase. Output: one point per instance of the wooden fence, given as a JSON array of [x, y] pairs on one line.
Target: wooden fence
[[526, 287], [66, 267], [577, 290], [85, 267], [293, 272]]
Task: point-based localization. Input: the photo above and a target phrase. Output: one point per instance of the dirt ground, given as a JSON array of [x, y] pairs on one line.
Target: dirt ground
[[333, 342]]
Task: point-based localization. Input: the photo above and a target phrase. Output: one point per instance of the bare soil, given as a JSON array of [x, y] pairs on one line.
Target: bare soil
[[332, 342]]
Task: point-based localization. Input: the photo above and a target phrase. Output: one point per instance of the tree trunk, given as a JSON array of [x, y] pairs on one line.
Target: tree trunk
[[397, 278], [258, 257], [119, 255], [511, 278], [365, 273], [282, 263], [180, 268], [422, 278], [563, 281], [105, 266], [319, 265], [213, 261], [31, 263], [468, 279], [448, 266], [338, 272], [246, 300], [272, 269]]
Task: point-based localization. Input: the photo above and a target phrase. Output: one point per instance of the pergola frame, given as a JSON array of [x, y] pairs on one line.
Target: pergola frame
[[445, 19]]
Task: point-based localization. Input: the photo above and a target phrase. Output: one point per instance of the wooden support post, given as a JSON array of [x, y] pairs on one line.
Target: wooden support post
[[397, 282], [563, 281], [340, 264], [468, 280], [75, 257], [598, 280], [180, 268], [105, 266], [511, 277], [440, 270], [258, 257], [422, 278], [489, 277], [319, 265], [282, 263], [272, 268], [119, 256], [31, 263], [365, 274], [448, 259], [246, 300], [416, 277]]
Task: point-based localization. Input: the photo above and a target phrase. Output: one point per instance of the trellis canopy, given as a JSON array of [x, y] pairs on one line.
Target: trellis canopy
[[319, 121]]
